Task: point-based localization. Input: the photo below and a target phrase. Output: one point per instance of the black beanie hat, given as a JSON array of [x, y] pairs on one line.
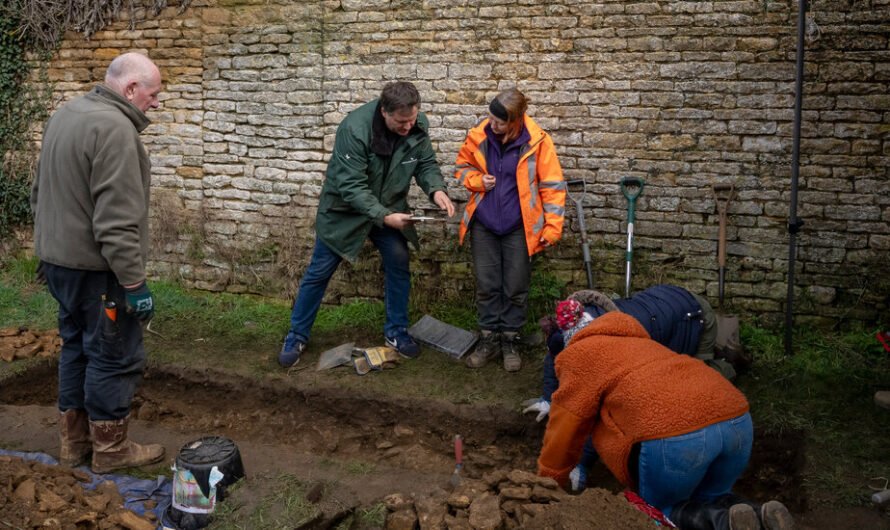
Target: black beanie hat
[[497, 109]]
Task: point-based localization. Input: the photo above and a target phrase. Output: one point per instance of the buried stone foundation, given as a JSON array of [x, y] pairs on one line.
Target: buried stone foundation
[[514, 499]]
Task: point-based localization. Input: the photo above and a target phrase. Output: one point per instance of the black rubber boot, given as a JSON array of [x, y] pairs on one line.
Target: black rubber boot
[[731, 498], [699, 515], [720, 514]]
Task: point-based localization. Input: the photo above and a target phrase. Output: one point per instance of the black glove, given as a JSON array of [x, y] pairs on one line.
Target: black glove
[[39, 275], [140, 302]]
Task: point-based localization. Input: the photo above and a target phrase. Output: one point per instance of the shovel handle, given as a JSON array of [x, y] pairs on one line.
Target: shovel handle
[[577, 197], [458, 450], [632, 182], [631, 188], [723, 193]]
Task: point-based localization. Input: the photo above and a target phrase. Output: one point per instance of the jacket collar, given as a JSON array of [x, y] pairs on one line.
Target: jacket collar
[[477, 133], [139, 119], [384, 142], [523, 138], [615, 324]]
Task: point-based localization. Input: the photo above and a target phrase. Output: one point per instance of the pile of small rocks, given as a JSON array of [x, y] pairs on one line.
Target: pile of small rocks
[[23, 343], [36, 495], [500, 500]]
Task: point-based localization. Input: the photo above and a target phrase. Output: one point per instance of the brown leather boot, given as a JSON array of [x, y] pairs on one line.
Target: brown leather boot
[[489, 347], [112, 450], [75, 446], [510, 351]]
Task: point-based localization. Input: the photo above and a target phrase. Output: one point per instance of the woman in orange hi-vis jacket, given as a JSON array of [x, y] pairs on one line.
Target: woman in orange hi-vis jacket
[[516, 209]]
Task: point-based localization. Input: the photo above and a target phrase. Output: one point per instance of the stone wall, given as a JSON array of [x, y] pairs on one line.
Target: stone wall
[[682, 94]]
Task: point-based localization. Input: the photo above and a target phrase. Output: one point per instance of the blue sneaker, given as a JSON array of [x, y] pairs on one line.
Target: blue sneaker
[[291, 350], [404, 344]]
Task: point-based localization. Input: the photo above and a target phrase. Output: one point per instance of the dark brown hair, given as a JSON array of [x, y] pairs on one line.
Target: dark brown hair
[[399, 95], [516, 104]]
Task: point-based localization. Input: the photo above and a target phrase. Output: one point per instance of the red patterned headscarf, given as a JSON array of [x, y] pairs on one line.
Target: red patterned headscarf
[[568, 312]]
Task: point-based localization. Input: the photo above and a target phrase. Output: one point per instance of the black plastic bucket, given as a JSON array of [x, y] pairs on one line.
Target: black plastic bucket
[[204, 469]]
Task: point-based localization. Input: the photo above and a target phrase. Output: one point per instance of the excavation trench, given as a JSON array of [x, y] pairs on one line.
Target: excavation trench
[[397, 444]]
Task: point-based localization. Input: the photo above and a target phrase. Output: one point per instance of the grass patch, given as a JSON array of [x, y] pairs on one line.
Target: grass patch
[[373, 517], [281, 504], [360, 468], [826, 389], [23, 302]]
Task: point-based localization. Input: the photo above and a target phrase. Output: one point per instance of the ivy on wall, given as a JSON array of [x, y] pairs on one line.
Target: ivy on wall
[[30, 31], [22, 104]]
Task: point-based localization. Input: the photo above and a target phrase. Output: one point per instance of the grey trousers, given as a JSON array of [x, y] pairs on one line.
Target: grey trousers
[[503, 272]]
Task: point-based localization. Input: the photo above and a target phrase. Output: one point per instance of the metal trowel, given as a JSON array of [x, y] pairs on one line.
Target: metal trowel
[[337, 356]]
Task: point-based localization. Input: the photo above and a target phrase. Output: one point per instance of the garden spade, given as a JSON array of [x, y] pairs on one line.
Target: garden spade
[[631, 187], [578, 200], [722, 194], [458, 460], [728, 342]]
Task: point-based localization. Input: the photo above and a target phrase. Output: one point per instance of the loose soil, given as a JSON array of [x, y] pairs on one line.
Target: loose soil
[[362, 448]]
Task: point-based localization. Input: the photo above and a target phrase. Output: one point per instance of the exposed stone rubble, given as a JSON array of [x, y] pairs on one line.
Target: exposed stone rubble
[[508, 500], [36, 495], [24, 343]]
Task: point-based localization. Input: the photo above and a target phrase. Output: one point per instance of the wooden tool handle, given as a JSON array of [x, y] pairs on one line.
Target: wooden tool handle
[[458, 449]]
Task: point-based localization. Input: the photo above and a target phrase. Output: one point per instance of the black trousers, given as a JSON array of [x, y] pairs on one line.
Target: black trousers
[[102, 360], [503, 273]]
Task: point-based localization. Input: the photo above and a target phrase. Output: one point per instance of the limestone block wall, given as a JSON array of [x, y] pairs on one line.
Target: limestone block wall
[[682, 94]]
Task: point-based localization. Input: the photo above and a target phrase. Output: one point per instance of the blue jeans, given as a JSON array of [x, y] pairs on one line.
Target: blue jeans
[[101, 361], [701, 465], [393, 248]]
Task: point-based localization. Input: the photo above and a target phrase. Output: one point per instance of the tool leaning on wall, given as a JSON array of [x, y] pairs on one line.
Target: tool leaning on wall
[[631, 188]]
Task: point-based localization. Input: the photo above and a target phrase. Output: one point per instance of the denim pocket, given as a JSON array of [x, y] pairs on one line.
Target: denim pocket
[[111, 343], [684, 452], [742, 432]]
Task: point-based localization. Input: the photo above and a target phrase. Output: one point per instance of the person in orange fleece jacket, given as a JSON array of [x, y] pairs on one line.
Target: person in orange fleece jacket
[[666, 425]]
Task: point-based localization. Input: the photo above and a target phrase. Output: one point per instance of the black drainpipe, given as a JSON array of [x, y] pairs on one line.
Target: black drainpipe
[[794, 223]]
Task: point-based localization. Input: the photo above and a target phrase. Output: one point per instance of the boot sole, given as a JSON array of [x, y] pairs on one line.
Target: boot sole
[[743, 517], [512, 363], [103, 470], [776, 516]]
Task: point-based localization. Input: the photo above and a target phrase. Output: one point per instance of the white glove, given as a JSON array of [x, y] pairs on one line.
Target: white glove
[[578, 478], [539, 405]]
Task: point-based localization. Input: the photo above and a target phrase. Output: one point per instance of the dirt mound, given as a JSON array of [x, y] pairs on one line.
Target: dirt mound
[[515, 499], [35, 495], [22, 343]]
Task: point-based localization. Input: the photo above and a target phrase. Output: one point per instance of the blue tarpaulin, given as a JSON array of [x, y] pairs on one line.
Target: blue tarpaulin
[[135, 491]]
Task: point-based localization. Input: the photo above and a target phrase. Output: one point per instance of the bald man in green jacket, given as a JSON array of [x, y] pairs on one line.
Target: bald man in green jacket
[[90, 204]]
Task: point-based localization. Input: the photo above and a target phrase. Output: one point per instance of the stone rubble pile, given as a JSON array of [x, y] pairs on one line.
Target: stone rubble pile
[[500, 500], [24, 343], [36, 495]]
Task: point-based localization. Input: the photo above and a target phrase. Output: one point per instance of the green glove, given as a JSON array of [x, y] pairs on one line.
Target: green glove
[[140, 302]]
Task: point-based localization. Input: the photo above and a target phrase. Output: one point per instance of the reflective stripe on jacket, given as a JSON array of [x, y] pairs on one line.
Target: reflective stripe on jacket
[[542, 191]]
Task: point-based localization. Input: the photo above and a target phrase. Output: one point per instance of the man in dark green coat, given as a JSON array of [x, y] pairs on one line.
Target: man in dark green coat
[[378, 149]]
